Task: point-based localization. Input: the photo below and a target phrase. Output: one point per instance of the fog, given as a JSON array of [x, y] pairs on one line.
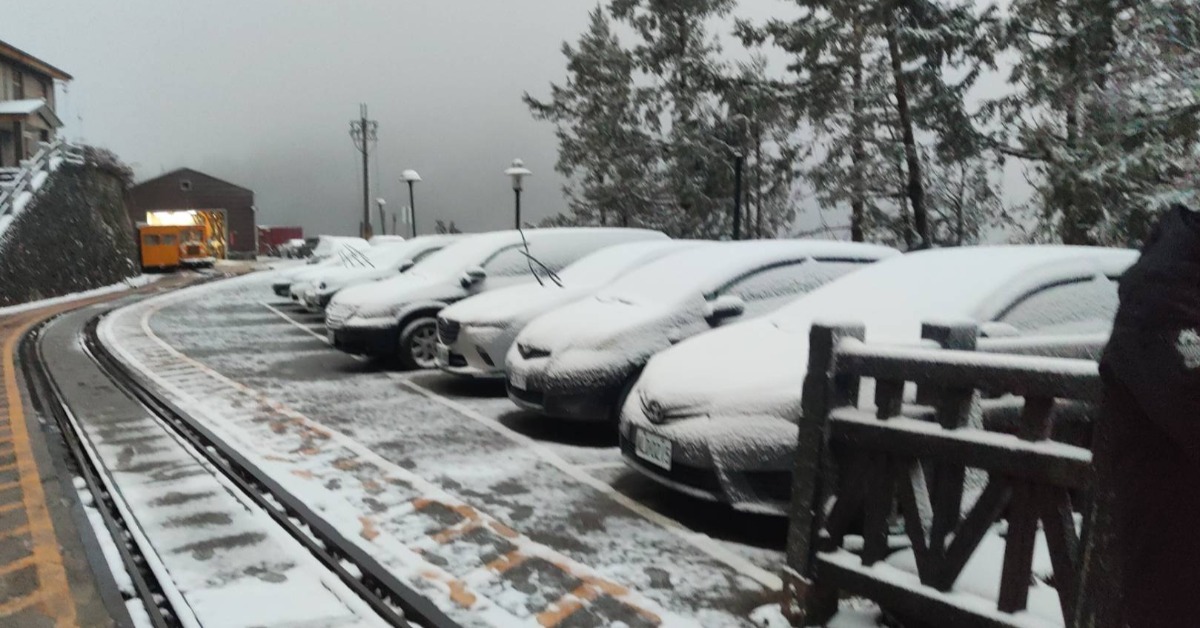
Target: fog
[[261, 93]]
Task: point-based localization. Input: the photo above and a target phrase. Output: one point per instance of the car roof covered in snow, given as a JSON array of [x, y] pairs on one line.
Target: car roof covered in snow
[[964, 283], [474, 250], [708, 267]]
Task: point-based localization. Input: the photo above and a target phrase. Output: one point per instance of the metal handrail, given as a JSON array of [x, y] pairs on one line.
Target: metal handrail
[[33, 166]]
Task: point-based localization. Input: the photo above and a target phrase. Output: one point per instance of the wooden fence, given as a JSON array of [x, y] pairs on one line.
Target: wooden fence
[[861, 472]]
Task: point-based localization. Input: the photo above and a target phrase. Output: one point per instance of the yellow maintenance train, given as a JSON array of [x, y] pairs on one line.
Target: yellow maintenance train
[[168, 247]]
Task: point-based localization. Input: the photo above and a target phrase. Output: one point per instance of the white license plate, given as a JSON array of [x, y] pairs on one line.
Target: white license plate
[[653, 449], [443, 355], [516, 379]]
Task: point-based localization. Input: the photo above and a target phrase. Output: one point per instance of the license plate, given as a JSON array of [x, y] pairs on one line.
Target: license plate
[[517, 380], [443, 355], [653, 449]]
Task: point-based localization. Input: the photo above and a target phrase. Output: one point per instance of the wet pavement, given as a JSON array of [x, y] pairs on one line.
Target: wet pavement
[[509, 515]]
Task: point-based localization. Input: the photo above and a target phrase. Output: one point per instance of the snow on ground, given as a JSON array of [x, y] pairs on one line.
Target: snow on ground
[[128, 284], [394, 457]]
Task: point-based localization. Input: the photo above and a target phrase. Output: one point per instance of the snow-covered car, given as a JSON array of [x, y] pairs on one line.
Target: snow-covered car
[[397, 317], [336, 252], [383, 260], [578, 361], [475, 334], [715, 417], [386, 239]]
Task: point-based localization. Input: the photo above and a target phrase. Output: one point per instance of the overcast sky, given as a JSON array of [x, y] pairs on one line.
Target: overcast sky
[[261, 93]]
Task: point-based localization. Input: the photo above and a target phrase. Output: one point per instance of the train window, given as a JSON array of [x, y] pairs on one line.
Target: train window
[[169, 239], [150, 240]]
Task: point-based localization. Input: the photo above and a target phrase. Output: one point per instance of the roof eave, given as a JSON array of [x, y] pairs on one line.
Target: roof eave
[[24, 58]]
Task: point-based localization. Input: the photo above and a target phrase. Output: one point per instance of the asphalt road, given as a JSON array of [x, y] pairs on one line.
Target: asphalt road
[[563, 485]]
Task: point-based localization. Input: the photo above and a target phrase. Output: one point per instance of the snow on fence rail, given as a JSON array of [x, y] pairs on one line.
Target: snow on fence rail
[[17, 185], [912, 463]]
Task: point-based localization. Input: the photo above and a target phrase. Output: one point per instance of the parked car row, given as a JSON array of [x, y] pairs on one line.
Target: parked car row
[[694, 350]]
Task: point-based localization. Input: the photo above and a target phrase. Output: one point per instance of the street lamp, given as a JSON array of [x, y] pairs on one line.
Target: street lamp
[[411, 177], [518, 171], [382, 224]]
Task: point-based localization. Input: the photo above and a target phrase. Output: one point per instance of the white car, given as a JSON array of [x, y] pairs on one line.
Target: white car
[[715, 417], [381, 261], [578, 361], [397, 317], [386, 239], [475, 334], [336, 252]]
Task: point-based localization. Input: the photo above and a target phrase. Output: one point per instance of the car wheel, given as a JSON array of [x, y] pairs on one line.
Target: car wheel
[[418, 344]]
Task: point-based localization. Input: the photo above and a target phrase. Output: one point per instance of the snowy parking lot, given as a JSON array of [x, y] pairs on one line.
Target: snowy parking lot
[[404, 458]]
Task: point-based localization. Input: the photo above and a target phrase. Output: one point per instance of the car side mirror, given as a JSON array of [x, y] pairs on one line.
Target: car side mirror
[[723, 308], [472, 276], [996, 329], [406, 264]]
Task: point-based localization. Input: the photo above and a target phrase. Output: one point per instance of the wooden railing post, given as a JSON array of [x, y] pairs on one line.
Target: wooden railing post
[[824, 389]]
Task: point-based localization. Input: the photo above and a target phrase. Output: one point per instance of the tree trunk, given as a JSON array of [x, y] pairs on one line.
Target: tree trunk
[[916, 191], [758, 172], [858, 151]]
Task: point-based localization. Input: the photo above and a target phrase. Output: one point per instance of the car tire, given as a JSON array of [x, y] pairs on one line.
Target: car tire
[[417, 346]]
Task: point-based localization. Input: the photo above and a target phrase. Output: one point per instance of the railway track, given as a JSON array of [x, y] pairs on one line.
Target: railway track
[[393, 601]]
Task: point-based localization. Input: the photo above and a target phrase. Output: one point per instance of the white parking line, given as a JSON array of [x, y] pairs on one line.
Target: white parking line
[[702, 542], [295, 322]]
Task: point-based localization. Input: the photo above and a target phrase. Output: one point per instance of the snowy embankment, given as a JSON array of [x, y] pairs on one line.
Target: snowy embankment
[[73, 235], [129, 284]]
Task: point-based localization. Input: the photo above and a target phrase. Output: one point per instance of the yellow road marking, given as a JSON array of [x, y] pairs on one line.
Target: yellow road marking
[[55, 593]]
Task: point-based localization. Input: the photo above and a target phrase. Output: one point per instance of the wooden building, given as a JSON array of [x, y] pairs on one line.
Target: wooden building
[[27, 104], [187, 196]]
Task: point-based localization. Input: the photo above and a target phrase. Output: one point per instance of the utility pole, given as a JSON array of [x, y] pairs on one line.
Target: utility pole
[[364, 133]]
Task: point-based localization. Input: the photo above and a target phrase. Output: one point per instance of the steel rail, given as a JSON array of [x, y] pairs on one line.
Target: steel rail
[[46, 398], [374, 582]]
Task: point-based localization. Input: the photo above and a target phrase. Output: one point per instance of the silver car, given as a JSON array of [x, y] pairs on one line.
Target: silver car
[[475, 334], [578, 361], [715, 417]]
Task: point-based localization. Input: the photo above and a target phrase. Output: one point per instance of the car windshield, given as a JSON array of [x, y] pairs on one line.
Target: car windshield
[[942, 284], [457, 257], [671, 278], [611, 262]]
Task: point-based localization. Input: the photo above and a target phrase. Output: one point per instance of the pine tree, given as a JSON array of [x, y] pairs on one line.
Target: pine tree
[[607, 157], [1105, 108], [874, 81], [680, 58], [761, 119]]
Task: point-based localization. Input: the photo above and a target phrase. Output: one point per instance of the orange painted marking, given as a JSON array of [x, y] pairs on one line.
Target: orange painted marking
[[54, 592], [506, 562], [17, 531], [21, 603]]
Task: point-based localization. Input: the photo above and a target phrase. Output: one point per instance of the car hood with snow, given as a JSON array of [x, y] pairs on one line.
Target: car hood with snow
[[597, 341], [757, 368]]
